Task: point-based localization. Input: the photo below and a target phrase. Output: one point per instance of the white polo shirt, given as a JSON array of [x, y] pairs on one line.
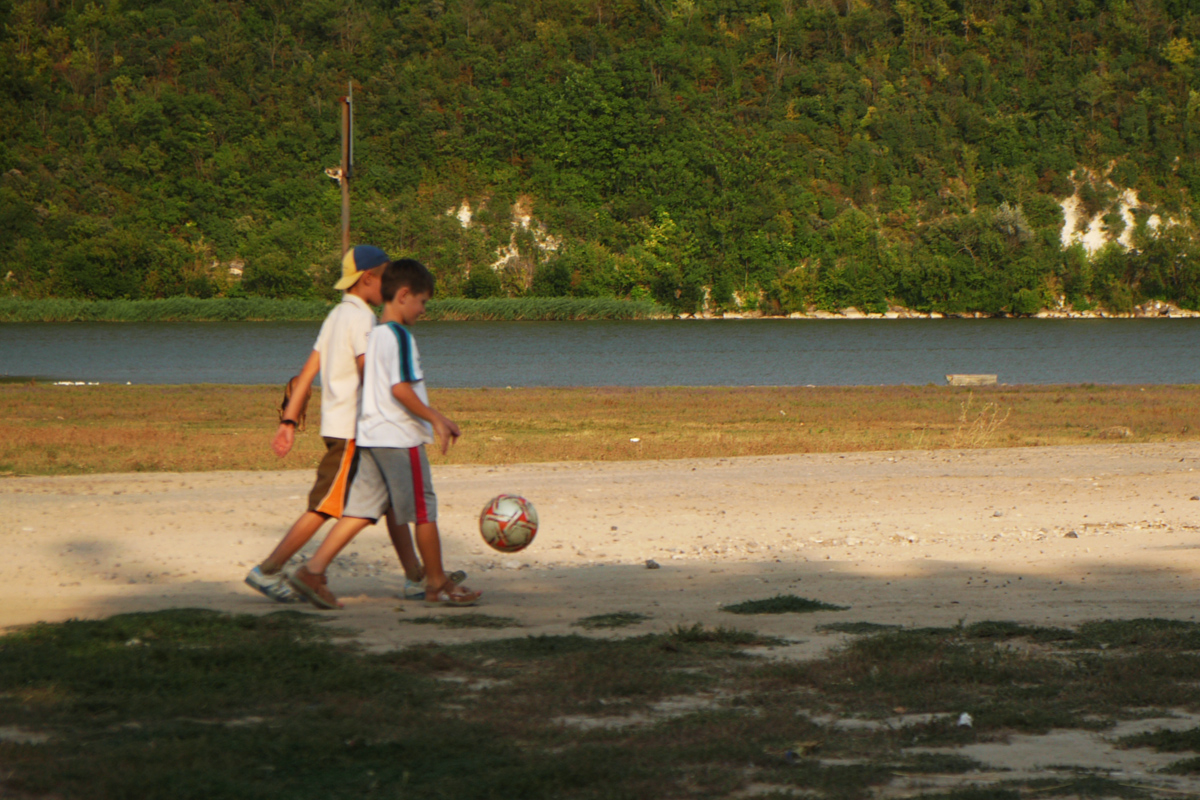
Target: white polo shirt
[[392, 358], [343, 338]]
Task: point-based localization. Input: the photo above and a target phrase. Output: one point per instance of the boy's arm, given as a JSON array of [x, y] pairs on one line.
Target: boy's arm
[[285, 436], [443, 427]]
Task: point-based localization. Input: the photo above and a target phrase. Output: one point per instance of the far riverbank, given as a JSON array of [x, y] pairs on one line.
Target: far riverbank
[[1154, 309], [497, 309]]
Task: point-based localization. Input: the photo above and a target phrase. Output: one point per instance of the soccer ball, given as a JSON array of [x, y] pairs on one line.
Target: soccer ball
[[508, 523]]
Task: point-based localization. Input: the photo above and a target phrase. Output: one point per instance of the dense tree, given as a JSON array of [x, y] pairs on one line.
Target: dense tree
[[785, 153]]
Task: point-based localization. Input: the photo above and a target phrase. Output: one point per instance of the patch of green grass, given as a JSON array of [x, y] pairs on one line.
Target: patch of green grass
[[781, 604], [1087, 786], [1166, 741], [577, 673], [1187, 766], [533, 647], [1140, 633], [618, 619], [975, 793], [465, 621], [197, 704], [931, 670], [939, 763], [832, 780], [196, 626], [720, 635], [1015, 630], [856, 627]]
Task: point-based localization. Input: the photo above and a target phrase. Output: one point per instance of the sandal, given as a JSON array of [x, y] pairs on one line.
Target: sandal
[[415, 590], [314, 587], [454, 596]]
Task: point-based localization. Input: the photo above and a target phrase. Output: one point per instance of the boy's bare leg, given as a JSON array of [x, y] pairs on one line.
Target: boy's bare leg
[[309, 579], [402, 541], [429, 543], [341, 535], [299, 534]]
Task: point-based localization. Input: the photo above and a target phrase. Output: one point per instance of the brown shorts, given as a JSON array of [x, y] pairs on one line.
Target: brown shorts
[[334, 473]]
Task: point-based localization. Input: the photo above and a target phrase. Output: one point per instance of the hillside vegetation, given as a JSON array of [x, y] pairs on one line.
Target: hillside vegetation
[[781, 155]]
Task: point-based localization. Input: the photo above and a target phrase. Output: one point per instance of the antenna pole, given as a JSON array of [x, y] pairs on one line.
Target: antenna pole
[[347, 166]]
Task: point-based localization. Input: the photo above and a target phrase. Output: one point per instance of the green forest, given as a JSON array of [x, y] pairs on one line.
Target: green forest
[[703, 154]]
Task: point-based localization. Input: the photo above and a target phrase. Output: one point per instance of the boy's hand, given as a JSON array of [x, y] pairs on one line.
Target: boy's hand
[[285, 437], [445, 430]]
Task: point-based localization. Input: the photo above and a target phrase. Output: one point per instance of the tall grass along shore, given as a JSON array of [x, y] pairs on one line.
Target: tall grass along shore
[[263, 309], [543, 308], [172, 309]]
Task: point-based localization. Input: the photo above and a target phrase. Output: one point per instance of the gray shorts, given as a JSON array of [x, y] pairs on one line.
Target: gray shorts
[[395, 477]]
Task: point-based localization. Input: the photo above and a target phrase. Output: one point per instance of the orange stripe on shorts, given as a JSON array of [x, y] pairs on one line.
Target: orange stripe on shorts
[[334, 502]]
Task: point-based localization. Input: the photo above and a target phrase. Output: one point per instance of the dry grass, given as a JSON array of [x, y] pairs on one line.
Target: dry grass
[[48, 429]]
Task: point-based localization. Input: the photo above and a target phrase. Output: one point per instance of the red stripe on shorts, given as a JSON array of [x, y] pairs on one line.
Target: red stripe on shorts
[[414, 459]]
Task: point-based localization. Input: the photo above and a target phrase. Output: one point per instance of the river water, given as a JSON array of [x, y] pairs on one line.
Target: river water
[[659, 353]]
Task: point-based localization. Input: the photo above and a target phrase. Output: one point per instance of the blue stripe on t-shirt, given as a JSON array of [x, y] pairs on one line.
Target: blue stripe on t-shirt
[[404, 340]]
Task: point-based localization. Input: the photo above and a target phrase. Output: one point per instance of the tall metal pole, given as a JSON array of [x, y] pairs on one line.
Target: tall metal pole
[[347, 168]]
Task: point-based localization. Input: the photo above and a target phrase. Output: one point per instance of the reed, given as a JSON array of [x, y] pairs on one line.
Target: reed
[[171, 309], [263, 309]]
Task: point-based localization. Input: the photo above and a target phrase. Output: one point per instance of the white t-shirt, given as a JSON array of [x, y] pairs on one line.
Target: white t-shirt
[[392, 358], [343, 338]]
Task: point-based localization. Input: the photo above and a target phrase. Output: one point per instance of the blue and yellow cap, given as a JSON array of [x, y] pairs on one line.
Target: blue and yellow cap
[[358, 260]]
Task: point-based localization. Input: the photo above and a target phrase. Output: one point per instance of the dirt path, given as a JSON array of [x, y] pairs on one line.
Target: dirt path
[[1048, 535]]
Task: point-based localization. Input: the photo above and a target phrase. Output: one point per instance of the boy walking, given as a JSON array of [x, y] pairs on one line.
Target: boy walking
[[395, 424], [338, 356]]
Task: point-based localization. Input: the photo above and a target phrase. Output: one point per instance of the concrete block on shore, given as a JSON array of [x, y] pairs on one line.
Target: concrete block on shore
[[971, 380]]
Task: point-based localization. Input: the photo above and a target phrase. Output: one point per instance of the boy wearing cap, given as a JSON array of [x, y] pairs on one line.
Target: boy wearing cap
[[394, 426], [338, 356]]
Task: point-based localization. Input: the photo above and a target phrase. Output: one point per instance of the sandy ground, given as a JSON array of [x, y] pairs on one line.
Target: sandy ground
[[1045, 535], [1051, 536]]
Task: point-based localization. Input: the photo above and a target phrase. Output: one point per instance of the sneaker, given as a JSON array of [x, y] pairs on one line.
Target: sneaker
[[273, 586], [415, 590], [313, 587]]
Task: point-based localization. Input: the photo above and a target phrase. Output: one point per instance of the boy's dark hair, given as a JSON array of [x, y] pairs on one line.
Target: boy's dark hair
[[406, 272]]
